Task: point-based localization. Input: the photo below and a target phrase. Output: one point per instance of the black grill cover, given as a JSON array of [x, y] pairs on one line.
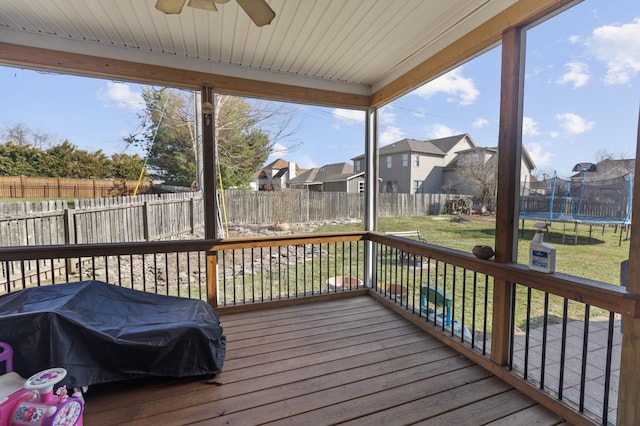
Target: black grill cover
[[104, 333]]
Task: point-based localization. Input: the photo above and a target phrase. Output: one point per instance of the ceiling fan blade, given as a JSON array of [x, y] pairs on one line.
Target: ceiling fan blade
[[203, 4], [170, 6], [258, 10]]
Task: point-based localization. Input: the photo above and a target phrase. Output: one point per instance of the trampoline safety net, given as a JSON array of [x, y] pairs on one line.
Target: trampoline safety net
[[582, 199]]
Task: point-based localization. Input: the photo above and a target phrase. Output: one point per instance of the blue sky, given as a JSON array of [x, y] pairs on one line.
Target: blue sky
[[581, 99]]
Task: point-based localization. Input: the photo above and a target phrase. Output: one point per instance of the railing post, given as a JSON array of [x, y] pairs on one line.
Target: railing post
[[628, 389], [212, 279], [509, 161]]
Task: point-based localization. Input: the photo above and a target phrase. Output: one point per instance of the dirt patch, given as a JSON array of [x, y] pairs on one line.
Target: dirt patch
[[246, 230]]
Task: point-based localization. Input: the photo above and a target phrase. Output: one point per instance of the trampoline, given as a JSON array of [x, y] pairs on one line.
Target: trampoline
[[584, 199]]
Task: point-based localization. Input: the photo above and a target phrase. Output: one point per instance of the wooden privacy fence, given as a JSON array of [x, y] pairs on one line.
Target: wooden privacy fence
[[101, 220], [171, 216], [32, 187], [247, 207], [167, 216]]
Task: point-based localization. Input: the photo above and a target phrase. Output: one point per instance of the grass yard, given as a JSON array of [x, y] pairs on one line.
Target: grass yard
[[597, 258]]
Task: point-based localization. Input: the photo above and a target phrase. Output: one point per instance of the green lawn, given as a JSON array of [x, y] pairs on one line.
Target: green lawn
[[596, 258]]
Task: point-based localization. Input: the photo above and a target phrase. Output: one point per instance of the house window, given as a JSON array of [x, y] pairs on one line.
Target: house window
[[389, 162], [358, 166], [417, 187], [390, 186], [416, 160], [360, 186], [405, 160]]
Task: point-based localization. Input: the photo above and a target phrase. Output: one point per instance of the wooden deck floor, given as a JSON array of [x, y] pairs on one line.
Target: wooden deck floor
[[348, 361]]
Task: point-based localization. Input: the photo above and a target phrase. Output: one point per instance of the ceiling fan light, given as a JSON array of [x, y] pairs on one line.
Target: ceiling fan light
[[170, 6], [203, 4]]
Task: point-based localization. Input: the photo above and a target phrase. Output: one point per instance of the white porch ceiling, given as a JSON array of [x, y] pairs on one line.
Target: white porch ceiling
[[349, 46]]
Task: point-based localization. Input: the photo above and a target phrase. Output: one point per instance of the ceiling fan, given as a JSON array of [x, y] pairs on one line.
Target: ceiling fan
[[258, 10]]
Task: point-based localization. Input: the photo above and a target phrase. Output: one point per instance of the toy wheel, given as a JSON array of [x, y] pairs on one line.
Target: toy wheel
[[68, 415], [45, 379]]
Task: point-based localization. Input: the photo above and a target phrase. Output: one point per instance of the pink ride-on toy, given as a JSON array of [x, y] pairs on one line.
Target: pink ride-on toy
[[32, 402]]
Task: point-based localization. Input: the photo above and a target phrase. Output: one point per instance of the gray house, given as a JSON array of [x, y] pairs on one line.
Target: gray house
[[473, 171], [414, 166], [338, 177]]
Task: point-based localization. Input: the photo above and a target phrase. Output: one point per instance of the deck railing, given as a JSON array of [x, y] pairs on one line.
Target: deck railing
[[270, 269], [170, 268], [563, 338], [564, 335]]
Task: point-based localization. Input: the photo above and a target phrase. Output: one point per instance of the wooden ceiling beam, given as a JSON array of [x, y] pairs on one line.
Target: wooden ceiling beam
[[519, 15], [94, 66]]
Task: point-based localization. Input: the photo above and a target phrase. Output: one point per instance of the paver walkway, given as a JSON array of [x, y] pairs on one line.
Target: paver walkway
[[595, 361]]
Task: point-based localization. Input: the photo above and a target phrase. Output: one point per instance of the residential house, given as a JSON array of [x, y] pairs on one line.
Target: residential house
[[474, 171], [414, 166], [338, 177], [275, 175]]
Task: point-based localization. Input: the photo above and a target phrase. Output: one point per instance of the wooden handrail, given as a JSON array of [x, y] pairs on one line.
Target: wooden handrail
[[596, 293], [114, 249]]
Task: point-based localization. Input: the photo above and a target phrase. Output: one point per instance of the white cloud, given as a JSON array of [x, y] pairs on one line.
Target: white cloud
[[391, 134], [123, 96], [554, 134], [478, 123], [279, 150], [440, 131], [574, 39], [533, 73], [305, 162], [573, 123], [386, 116], [618, 46], [458, 87], [578, 74], [349, 117], [529, 126], [540, 156]]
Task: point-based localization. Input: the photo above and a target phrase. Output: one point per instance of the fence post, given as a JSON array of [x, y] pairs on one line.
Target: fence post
[[145, 220], [192, 204]]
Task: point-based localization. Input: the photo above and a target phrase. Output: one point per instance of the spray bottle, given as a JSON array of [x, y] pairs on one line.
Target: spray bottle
[[542, 256]]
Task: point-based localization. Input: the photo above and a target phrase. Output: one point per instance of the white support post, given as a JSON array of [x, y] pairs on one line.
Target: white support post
[[371, 193]]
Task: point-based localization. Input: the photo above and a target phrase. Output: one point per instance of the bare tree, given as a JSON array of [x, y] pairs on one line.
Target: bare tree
[[20, 134], [476, 174], [234, 114], [247, 132]]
